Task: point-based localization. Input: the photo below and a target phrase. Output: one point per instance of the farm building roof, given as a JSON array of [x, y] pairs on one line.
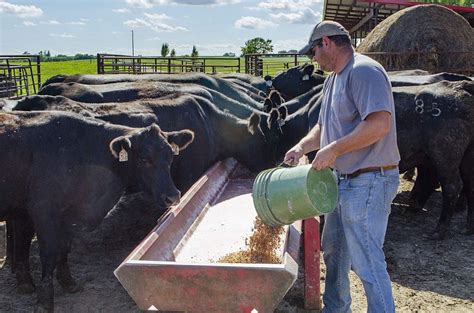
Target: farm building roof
[[361, 16]]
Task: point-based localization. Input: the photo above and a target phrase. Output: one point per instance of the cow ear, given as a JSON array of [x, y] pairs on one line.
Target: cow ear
[[308, 69], [273, 117], [180, 140], [267, 77], [275, 98], [254, 123], [283, 112], [120, 147], [469, 87], [267, 105]]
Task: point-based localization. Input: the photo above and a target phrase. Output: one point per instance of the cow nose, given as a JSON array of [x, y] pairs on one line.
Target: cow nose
[[170, 200]]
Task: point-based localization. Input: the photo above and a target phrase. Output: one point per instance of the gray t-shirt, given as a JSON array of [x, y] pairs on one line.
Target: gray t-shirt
[[363, 87]]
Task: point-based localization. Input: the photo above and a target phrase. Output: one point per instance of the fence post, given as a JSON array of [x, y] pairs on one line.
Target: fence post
[[98, 63], [38, 71]]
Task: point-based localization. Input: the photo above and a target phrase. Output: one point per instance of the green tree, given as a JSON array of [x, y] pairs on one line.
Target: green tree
[[172, 53], [257, 45], [194, 53], [165, 49]]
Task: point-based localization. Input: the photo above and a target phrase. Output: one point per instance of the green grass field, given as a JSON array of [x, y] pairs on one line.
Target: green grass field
[[49, 69]]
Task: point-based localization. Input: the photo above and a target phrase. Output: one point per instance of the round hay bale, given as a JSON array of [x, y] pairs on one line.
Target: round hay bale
[[429, 37]]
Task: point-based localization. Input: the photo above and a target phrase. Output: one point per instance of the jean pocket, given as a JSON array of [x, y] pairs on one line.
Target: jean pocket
[[353, 203]]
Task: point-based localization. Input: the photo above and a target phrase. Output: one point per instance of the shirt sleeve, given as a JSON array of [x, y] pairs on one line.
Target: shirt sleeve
[[371, 90]]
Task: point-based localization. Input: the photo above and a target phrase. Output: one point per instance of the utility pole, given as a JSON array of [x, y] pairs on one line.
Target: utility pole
[[133, 46]]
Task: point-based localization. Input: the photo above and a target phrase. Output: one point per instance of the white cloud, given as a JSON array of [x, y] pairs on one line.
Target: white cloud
[[138, 22], [147, 4], [287, 5], [22, 11], [305, 16], [28, 23], [162, 27], [63, 35], [155, 22], [50, 22], [85, 20], [77, 23], [251, 22], [157, 17], [123, 10]]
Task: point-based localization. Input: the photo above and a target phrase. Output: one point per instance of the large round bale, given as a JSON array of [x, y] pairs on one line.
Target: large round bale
[[429, 37]]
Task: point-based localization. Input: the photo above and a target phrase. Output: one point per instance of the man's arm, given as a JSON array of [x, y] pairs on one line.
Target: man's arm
[[308, 143], [369, 131]]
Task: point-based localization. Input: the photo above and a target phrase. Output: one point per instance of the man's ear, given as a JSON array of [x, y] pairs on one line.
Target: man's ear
[[120, 147], [180, 140]]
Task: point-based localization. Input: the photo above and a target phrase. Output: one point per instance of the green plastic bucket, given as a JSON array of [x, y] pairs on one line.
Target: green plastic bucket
[[284, 195]]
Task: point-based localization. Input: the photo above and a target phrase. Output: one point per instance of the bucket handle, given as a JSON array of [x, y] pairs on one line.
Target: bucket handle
[[283, 164]]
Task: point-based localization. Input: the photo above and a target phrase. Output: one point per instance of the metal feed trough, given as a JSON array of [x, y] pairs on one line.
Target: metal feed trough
[[176, 268]]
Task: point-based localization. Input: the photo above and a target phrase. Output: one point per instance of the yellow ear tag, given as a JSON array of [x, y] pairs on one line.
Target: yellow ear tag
[[123, 155]]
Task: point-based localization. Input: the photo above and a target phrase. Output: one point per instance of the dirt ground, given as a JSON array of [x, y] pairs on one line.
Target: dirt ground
[[427, 276]]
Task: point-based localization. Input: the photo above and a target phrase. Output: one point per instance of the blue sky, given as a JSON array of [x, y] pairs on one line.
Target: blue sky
[[214, 26]]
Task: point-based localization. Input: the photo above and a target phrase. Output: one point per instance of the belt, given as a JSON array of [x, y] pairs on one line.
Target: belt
[[380, 169]]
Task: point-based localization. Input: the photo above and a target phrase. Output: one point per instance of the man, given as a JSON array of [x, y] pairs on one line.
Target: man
[[356, 136]]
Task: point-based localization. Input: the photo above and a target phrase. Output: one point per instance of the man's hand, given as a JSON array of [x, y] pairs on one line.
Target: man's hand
[[325, 157], [293, 155]]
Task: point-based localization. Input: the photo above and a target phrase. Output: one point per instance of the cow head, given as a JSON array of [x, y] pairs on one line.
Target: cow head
[[297, 80], [145, 158], [261, 148]]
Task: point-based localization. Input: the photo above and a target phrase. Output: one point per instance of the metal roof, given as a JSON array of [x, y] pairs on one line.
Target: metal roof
[[361, 16]]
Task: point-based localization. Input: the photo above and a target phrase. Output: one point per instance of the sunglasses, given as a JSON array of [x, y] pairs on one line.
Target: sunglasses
[[316, 43]]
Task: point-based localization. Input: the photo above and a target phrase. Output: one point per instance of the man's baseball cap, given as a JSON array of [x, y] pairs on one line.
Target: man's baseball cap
[[324, 28]]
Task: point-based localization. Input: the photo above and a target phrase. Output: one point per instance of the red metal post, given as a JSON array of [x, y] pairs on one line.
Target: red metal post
[[312, 244]]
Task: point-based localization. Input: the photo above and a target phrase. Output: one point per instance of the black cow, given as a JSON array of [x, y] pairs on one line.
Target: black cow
[[256, 82], [211, 82], [130, 91], [417, 80], [60, 169], [218, 135], [415, 72], [435, 128], [297, 80]]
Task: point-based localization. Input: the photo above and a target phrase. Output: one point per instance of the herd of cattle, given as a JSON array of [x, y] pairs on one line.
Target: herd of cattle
[[70, 152]]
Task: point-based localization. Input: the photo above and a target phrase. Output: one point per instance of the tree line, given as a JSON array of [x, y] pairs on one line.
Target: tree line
[[256, 45]]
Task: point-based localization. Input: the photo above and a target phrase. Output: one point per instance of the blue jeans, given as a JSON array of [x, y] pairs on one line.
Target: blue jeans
[[353, 237]]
